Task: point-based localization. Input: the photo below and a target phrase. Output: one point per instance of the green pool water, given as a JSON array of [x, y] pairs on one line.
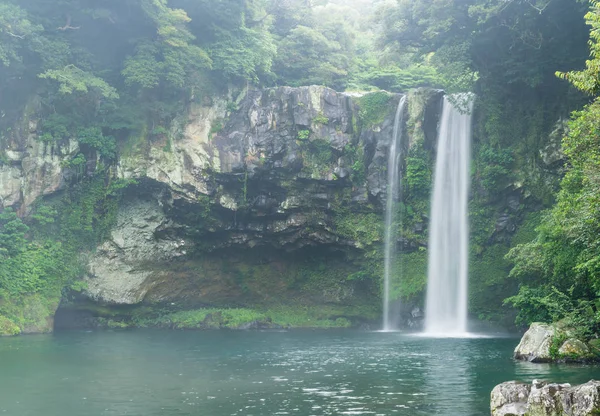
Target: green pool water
[[223, 373]]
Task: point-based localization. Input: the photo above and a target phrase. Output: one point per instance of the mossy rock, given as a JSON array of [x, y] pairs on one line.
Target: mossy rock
[[8, 327], [594, 345]]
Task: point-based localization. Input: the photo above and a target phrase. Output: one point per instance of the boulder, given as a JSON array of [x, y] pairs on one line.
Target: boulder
[[535, 344], [510, 399], [545, 399], [582, 400], [573, 347]]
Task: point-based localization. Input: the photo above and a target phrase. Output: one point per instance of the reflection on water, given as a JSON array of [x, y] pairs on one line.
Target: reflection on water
[[152, 373]]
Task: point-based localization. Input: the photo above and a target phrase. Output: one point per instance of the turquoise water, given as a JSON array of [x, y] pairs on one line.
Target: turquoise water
[[221, 373]]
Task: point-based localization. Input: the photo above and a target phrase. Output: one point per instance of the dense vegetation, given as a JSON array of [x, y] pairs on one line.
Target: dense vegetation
[[559, 269], [105, 72]]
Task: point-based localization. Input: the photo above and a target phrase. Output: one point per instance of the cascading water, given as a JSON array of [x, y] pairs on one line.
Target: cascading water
[[394, 193], [446, 305]]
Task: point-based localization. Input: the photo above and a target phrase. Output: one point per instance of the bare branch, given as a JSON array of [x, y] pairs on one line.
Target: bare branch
[[68, 26], [540, 10], [16, 36]]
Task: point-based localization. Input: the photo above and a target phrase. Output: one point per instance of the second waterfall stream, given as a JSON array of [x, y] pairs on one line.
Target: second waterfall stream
[[394, 194], [446, 303]]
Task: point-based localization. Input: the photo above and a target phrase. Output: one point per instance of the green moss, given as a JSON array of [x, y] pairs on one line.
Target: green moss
[[234, 318], [489, 283], [318, 158], [8, 327], [320, 119], [527, 230], [410, 280], [365, 228], [30, 313], [374, 107], [217, 126]]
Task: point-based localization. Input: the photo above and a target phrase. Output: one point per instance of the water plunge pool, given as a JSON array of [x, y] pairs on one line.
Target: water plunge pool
[[231, 373]]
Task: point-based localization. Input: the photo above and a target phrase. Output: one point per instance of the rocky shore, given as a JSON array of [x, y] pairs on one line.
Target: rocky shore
[[545, 399]]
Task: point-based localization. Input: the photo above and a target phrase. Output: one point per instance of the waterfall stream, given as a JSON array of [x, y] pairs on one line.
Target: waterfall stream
[[446, 304], [394, 194]]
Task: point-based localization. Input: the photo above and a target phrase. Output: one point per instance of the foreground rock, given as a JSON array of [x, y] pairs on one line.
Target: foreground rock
[[544, 343], [542, 399]]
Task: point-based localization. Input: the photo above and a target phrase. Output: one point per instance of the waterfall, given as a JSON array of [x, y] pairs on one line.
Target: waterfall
[[446, 305], [394, 193]]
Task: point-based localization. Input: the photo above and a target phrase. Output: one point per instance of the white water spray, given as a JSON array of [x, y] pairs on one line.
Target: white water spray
[[446, 306], [394, 194]]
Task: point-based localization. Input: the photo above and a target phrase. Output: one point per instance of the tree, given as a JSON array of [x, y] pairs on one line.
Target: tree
[[588, 80]]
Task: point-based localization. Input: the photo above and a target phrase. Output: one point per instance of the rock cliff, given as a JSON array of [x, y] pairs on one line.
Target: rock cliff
[[239, 203]]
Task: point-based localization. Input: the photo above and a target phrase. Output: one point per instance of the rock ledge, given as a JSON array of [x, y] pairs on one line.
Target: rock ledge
[[545, 399]]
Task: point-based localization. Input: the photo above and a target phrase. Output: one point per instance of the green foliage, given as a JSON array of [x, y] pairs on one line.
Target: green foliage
[[557, 340], [365, 229], [16, 32], [320, 119], [411, 279], [307, 56], [494, 167], [12, 234], [54, 128], [8, 327], [72, 79], [318, 157], [559, 267], [303, 134], [588, 80], [106, 146], [246, 53], [489, 283], [217, 126], [235, 318], [418, 175], [373, 108], [355, 156], [393, 78]]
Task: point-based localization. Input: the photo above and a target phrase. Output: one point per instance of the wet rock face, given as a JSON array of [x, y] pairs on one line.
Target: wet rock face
[[544, 399], [289, 169]]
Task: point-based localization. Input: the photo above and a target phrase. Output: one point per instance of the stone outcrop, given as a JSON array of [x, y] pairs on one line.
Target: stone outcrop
[[543, 343], [31, 168], [574, 347], [288, 174], [535, 344], [510, 399], [545, 399], [279, 175]]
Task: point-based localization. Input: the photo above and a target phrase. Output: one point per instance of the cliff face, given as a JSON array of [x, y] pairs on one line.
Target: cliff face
[[273, 199]]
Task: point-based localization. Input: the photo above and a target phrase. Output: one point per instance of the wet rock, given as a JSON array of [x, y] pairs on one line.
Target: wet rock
[[553, 153], [416, 313], [545, 399], [510, 399], [505, 223], [514, 202], [582, 400], [535, 344]]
